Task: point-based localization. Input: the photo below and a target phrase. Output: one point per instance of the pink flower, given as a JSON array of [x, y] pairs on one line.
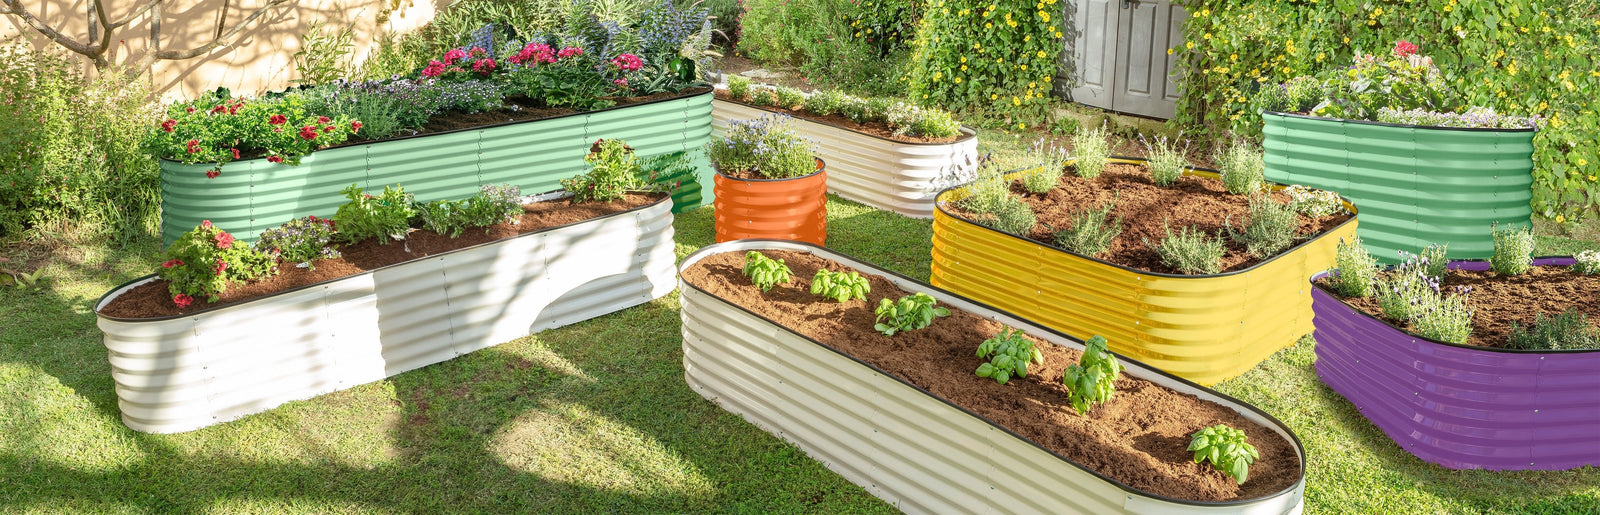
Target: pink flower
[[169, 125], [627, 62], [621, 82], [205, 224], [434, 69], [224, 240], [182, 300], [454, 55], [192, 146], [277, 119], [222, 266], [172, 263], [355, 126], [274, 159], [235, 152], [483, 66], [569, 52], [533, 53], [213, 173], [477, 52], [1404, 48]]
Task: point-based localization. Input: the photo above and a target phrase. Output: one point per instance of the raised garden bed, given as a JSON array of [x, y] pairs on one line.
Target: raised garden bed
[[253, 195], [218, 363], [1415, 184], [867, 163], [1473, 406], [905, 417], [784, 209], [1204, 328]]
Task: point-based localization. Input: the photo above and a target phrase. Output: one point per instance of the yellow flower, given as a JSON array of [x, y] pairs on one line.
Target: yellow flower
[[1370, 23], [993, 96], [1544, 105], [1377, 12], [1021, 125], [963, 59], [1026, 37], [1208, 35], [1041, 54], [1016, 101], [1024, 67], [1188, 45], [963, 67], [1044, 16], [1561, 218], [1583, 162], [958, 80], [1446, 8], [1347, 40], [1233, 57], [1169, 51], [938, 75], [988, 25]]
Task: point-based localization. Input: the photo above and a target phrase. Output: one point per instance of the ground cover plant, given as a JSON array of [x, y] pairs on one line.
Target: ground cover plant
[[877, 115]]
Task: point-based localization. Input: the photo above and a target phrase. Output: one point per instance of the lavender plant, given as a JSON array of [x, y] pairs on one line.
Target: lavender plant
[[1165, 161], [1051, 161], [1272, 227], [1433, 261], [1092, 230], [1405, 291], [1191, 251], [1445, 318], [1569, 330], [300, 241], [766, 147], [1513, 250], [1241, 168], [1092, 150], [1355, 271]]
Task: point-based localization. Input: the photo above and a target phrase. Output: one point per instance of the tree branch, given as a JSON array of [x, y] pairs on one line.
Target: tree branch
[[219, 41], [15, 7], [134, 14]]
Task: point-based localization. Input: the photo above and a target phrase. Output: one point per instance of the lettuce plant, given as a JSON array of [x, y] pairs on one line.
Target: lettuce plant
[[914, 311], [764, 272], [1093, 378], [840, 286], [1009, 353], [1226, 449], [204, 260], [365, 216]]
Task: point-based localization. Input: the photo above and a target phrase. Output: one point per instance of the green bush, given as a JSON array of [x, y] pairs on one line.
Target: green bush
[[1519, 57], [826, 102], [386, 216], [1271, 229], [766, 146], [738, 87], [1241, 168], [71, 149], [300, 241], [817, 37], [203, 261], [1165, 161], [1092, 150], [1191, 251], [1569, 330], [790, 98], [613, 170], [1092, 230], [993, 57], [1513, 250], [1355, 270]]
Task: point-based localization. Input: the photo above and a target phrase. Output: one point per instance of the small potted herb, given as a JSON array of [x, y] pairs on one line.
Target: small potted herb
[[769, 184]]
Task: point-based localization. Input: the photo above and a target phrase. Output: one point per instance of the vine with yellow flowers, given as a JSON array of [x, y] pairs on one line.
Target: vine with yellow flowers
[[990, 57]]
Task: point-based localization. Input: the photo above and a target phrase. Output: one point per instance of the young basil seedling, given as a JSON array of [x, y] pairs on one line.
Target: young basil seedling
[[840, 286], [910, 312], [1093, 378], [1009, 354], [763, 271], [1226, 449]]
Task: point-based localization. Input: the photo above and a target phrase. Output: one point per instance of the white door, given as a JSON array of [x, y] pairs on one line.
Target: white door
[[1119, 55]]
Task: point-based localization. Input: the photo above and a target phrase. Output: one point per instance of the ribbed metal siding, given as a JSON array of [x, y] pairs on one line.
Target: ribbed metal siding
[[212, 367], [884, 174], [254, 195], [1461, 407], [1203, 328], [902, 444], [1415, 185], [788, 209]]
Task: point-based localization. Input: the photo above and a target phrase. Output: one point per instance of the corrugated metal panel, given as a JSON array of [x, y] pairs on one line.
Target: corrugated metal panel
[[194, 371], [1415, 185], [1458, 406], [785, 209], [884, 174], [254, 195], [1203, 328], [902, 444]]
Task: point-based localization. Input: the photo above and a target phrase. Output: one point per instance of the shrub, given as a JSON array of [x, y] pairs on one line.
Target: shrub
[[1588, 262], [1433, 262], [911, 120], [1443, 317], [840, 286], [1241, 168], [877, 109], [1165, 161], [1092, 230], [911, 312], [1191, 251], [739, 87], [204, 260], [1010, 215], [323, 55], [765, 272], [766, 146], [383, 217], [826, 102], [1355, 270], [492, 205], [790, 98], [834, 42], [1474, 117], [561, 78], [998, 57], [1513, 250], [1403, 292], [1569, 330], [1008, 354], [443, 217], [613, 170], [384, 109], [1092, 380], [300, 241], [855, 109], [761, 96], [1314, 203], [1226, 449], [1272, 227], [1092, 150]]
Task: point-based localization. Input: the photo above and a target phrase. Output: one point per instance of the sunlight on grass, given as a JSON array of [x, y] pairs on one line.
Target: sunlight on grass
[[46, 421], [569, 443]]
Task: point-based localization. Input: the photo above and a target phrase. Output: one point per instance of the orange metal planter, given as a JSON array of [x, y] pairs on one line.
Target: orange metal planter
[[783, 209]]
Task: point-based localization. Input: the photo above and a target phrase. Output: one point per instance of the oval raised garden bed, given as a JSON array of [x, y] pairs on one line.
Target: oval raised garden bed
[[886, 174], [1462, 406], [1204, 328], [1415, 184], [786, 209], [188, 371], [253, 195], [841, 399]]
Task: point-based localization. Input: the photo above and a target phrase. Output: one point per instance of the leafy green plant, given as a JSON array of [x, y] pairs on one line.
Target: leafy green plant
[[492, 205], [1587, 262], [1433, 261], [992, 56], [1009, 352], [22, 280], [1355, 271], [840, 286], [761, 96], [442, 217], [855, 109], [766, 147], [826, 102], [1092, 380], [1401, 293], [1191, 251], [1092, 230], [613, 170], [912, 120], [301, 241], [789, 98], [1569, 330], [1513, 250], [1226, 449], [764, 272], [324, 54], [1314, 203], [365, 216], [834, 43], [1241, 168], [911, 312], [738, 87], [1272, 227], [1064, 125], [1092, 149], [203, 261], [1050, 161], [1165, 161], [1444, 317]]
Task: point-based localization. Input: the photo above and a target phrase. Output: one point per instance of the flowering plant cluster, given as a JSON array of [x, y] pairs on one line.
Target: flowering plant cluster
[[219, 128], [1410, 294], [996, 57], [1312, 202], [1474, 117], [1587, 262], [766, 147], [300, 241], [460, 64], [204, 260], [613, 170], [492, 205]]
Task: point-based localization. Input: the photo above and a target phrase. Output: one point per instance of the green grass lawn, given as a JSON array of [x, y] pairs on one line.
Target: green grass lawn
[[593, 417]]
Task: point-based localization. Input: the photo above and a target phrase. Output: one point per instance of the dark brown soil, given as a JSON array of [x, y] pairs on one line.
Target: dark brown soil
[[153, 300], [874, 128], [1201, 202], [528, 109], [1137, 438], [1498, 300]]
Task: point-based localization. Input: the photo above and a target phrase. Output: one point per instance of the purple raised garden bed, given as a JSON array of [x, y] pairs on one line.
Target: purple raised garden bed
[[1459, 406]]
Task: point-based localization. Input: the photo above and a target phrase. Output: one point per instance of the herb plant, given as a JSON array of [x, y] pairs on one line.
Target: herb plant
[[1272, 227], [443, 217], [825, 102], [764, 272], [840, 286], [1226, 449], [1355, 271], [1569, 330], [1165, 161], [1051, 162], [1587, 262], [914, 311], [301, 241], [1404, 291], [1513, 250], [767, 147], [1009, 353], [204, 260], [613, 170], [1191, 251], [1444, 317], [1092, 380], [1092, 230], [365, 216], [1314, 203], [1433, 261], [1242, 168], [789, 98], [1093, 150]]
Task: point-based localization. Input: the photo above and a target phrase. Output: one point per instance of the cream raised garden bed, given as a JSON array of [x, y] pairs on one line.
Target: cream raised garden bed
[[186, 372]]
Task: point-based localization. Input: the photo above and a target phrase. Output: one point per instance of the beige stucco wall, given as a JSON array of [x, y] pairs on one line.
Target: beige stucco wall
[[260, 58]]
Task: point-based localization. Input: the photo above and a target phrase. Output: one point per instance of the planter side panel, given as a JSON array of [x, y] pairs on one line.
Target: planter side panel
[[792, 209], [1204, 329], [1415, 186], [1462, 408], [212, 367], [252, 196], [883, 174]]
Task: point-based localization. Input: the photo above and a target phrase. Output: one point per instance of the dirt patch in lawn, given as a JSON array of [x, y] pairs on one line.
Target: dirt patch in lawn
[[878, 129], [1498, 300], [1147, 210], [1138, 438], [153, 300]]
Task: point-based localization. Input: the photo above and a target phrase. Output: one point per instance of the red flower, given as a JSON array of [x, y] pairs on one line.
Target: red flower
[[323, 119], [483, 66], [311, 217], [621, 82], [169, 125], [224, 240], [182, 300], [1404, 48], [219, 109], [222, 266], [434, 69], [191, 109], [328, 128], [274, 159], [355, 126], [277, 119], [205, 224], [627, 62], [192, 146], [213, 173], [453, 55], [235, 152], [569, 52], [308, 132], [172, 263]]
